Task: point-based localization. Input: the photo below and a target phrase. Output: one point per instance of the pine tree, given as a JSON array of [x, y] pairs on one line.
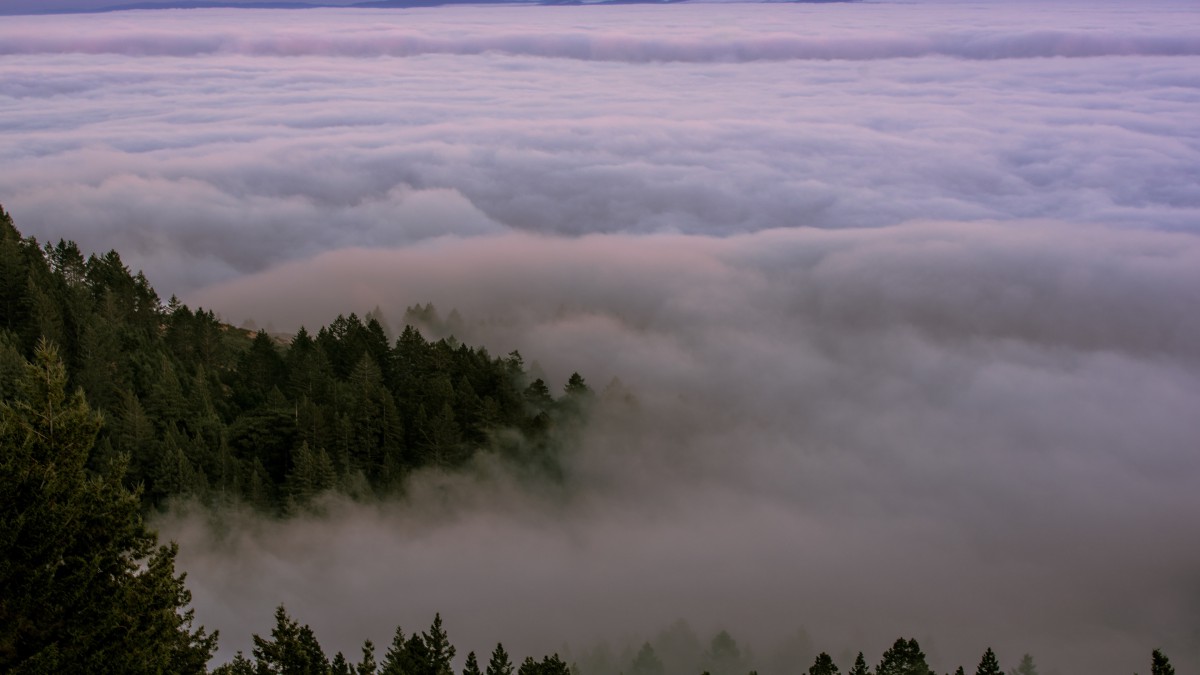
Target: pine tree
[[340, 666], [472, 666], [404, 656], [312, 473], [860, 666], [14, 275], [529, 667], [823, 666], [292, 649], [86, 587], [366, 666], [903, 658], [988, 665], [439, 650], [1160, 664], [499, 664], [553, 665]]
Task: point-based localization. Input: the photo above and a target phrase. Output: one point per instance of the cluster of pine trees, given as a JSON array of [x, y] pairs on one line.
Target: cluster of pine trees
[[905, 657], [205, 410], [292, 648]]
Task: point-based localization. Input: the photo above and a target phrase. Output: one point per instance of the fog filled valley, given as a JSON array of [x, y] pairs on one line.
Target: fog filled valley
[[743, 331]]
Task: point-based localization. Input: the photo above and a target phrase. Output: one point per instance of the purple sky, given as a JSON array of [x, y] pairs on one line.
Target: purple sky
[[906, 294], [84, 5]]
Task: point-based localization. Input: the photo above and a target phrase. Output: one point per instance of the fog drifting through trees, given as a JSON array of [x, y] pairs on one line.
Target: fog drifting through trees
[[857, 433], [902, 297]]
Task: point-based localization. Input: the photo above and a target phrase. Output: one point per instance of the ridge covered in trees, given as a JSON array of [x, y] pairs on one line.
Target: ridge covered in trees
[[208, 411]]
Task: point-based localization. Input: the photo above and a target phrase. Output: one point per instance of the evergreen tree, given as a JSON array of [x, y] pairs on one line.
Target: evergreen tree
[[1160, 664], [439, 651], [292, 649], [553, 665], [366, 665], [860, 666], [903, 658], [537, 396], [576, 386], [988, 665], [340, 666], [472, 666], [549, 665], [86, 588], [823, 666], [499, 664], [14, 277], [404, 656], [529, 667], [312, 473]]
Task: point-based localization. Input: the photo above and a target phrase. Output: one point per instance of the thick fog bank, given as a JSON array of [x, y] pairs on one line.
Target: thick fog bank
[[979, 433], [205, 144]]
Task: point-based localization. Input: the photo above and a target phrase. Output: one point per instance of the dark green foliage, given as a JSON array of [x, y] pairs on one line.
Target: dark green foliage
[[499, 664], [529, 667], [903, 658], [429, 653], [400, 659], [860, 666], [438, 650], [292, 649], [988, 665], [471, 667], [960, 671], [207, 411], [86, 587], [1160, 664], [823, 665], [340, 666], [366, 665], [549, 665]]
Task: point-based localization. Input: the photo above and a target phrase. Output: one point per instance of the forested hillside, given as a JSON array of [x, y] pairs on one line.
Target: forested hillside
[[205, 410]]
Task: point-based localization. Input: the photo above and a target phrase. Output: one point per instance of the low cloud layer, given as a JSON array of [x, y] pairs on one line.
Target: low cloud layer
[[906, 302], [863, 433], [226, 161], [587, 44]]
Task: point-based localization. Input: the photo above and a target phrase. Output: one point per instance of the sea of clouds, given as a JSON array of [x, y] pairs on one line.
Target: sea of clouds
[[906, 296]]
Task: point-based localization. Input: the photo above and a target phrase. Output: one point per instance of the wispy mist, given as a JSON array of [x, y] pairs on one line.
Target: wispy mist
[[903, 296]]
